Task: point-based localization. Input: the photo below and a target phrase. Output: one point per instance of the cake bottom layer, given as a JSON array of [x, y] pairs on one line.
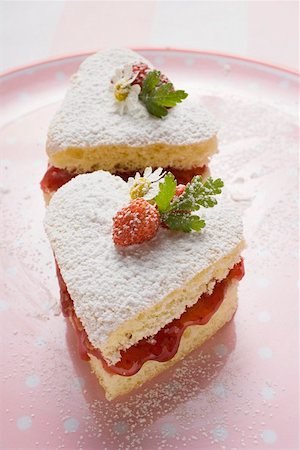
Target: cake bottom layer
[[194, 336]]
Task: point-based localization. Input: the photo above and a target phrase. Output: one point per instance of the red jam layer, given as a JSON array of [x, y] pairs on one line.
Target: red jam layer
[[164, 345], [54, 178]]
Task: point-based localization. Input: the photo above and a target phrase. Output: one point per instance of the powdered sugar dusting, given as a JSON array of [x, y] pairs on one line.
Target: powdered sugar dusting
[[99, 124], [110, 285]]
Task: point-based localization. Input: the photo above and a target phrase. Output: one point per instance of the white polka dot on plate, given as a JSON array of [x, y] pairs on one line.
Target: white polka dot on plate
[[46, 307], [4, 189], [40, 342], [60, 76], [293, 149], [219, 390], [253, 85], [168, 430], [293, 172], [267, 393], [262, 282], [284, 84], [263, 253], [227, 68], [24, 97], [265, 352], [11, 140], [120, 427], [222, 62], [32, 381], [189, 60], [5, 163], [77, 383], [264, 316], [24, 422], [71, 425], [220, 433], [158, 60], [31, 71], [269, 436], [11, 271], [4, 306], [19, 243], [221, 350]]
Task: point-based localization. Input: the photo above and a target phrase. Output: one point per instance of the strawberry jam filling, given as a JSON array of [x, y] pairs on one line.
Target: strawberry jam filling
[[164, 345], [55, 178]]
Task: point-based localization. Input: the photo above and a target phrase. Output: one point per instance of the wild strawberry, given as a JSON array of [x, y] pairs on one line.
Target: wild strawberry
[[142, 71], [136, 223], [180, 188]]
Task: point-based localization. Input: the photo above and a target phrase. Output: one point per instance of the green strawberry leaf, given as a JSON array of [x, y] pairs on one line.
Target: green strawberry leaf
[[166, 96], [198, 194], [150, 82], [155, 109], [183, 222], [167, 190], [157, 96]]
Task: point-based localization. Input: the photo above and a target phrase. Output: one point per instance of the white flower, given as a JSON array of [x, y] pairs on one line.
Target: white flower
[[124, 76], [126, 94], [131, 100], [146, 186]]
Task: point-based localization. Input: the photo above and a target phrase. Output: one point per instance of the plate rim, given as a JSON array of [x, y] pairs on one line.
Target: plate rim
[[235, 57]]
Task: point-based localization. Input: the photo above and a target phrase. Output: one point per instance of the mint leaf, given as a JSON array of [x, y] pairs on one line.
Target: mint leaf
[[198, 194], [166, 192], [158, 96], [183, 222]]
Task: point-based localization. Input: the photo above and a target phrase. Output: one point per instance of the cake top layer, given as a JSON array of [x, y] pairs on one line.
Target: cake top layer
[[110, 285], [88, 117]]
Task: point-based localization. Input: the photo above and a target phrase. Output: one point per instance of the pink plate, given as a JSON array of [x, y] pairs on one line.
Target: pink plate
[[238, 391]]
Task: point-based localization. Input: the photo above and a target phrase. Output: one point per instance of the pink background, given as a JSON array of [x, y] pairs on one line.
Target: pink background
[[264, 30]]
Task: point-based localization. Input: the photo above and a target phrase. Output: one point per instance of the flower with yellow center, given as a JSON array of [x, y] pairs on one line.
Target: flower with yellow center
[[146, 186], [126, 94]]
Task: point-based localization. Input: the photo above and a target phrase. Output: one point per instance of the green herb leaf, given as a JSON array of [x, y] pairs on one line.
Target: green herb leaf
[[166, 96], [198, 194], [175, 211], [157, 96], [154, 109], [166, 192], [183, 222], [150, 82]]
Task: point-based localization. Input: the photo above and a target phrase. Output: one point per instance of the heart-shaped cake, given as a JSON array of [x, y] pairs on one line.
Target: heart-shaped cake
[[141, 308], [121, 115]]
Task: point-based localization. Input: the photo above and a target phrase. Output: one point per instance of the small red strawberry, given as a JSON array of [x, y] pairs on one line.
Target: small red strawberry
[[136, 223], [142, 71], [180, 188]]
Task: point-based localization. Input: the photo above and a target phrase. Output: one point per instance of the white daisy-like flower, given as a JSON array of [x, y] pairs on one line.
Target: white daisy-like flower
[[131, 100], [147, 185], [124, 75], [126, 94]]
